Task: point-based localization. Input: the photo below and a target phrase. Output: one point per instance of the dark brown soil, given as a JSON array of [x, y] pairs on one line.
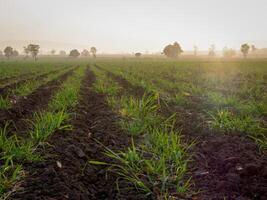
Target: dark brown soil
[[25, 107], [65, 172], [229, 167]]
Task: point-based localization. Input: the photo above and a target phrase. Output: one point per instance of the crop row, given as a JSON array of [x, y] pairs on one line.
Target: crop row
[[156, 162]]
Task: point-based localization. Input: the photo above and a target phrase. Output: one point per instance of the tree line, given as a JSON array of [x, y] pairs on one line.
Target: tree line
[[171, 51], [33, 51], [174, 50]]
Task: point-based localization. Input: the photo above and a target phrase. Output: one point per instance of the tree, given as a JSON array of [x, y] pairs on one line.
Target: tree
[[212, 50], [34, 50], [1, 53], [93, 50], [195, 50], [138, 55], [244, 49], [26, 51], [173, 51], [85, 53], [62, 53], [53, 52], [15, 53], [228, 53], [74, 53], [8, 52]]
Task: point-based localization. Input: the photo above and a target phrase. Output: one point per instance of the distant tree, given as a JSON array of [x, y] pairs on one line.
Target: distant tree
[[62, 53], [53, 52], [1, 53], [85, 53], [173, 51], [74, 53], [93, 51], [15, 53], [34, 50], [138, 55], [195, 50], [244, 49], [26, 51], [212, 50], [228, 53], [8, 52]]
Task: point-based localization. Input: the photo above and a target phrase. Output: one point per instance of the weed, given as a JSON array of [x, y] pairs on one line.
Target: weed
[[45, 124], [4, 103]]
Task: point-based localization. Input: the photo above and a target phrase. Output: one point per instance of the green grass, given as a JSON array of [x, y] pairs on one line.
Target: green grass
[[106, 87], [159, 164], [227, 122], [26, 88], [46, 123], [13, 152], [4, 103], [139, 114]]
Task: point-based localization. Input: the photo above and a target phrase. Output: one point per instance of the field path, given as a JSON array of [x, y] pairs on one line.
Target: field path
[[65, 172]]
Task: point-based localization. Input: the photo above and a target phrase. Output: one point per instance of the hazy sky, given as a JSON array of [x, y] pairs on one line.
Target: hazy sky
[[136, 25]]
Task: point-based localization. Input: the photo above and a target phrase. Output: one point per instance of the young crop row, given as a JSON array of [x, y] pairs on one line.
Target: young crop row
[[232, 98], [16, 150], [156, 162]]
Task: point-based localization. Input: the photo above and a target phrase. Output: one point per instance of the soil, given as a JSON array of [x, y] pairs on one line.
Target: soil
[[65, 173], [24, 107]]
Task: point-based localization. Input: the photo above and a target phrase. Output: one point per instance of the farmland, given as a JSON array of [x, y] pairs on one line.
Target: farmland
[[133, 128]]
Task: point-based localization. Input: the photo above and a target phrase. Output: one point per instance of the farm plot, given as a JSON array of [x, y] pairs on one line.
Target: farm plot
[[138, 129], [226, 164]]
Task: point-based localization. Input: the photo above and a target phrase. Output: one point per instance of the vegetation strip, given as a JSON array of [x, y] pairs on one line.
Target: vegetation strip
[[155, 165], [18, 152]]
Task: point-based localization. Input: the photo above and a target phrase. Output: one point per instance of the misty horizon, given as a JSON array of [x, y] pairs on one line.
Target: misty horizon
[[125, 26]]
